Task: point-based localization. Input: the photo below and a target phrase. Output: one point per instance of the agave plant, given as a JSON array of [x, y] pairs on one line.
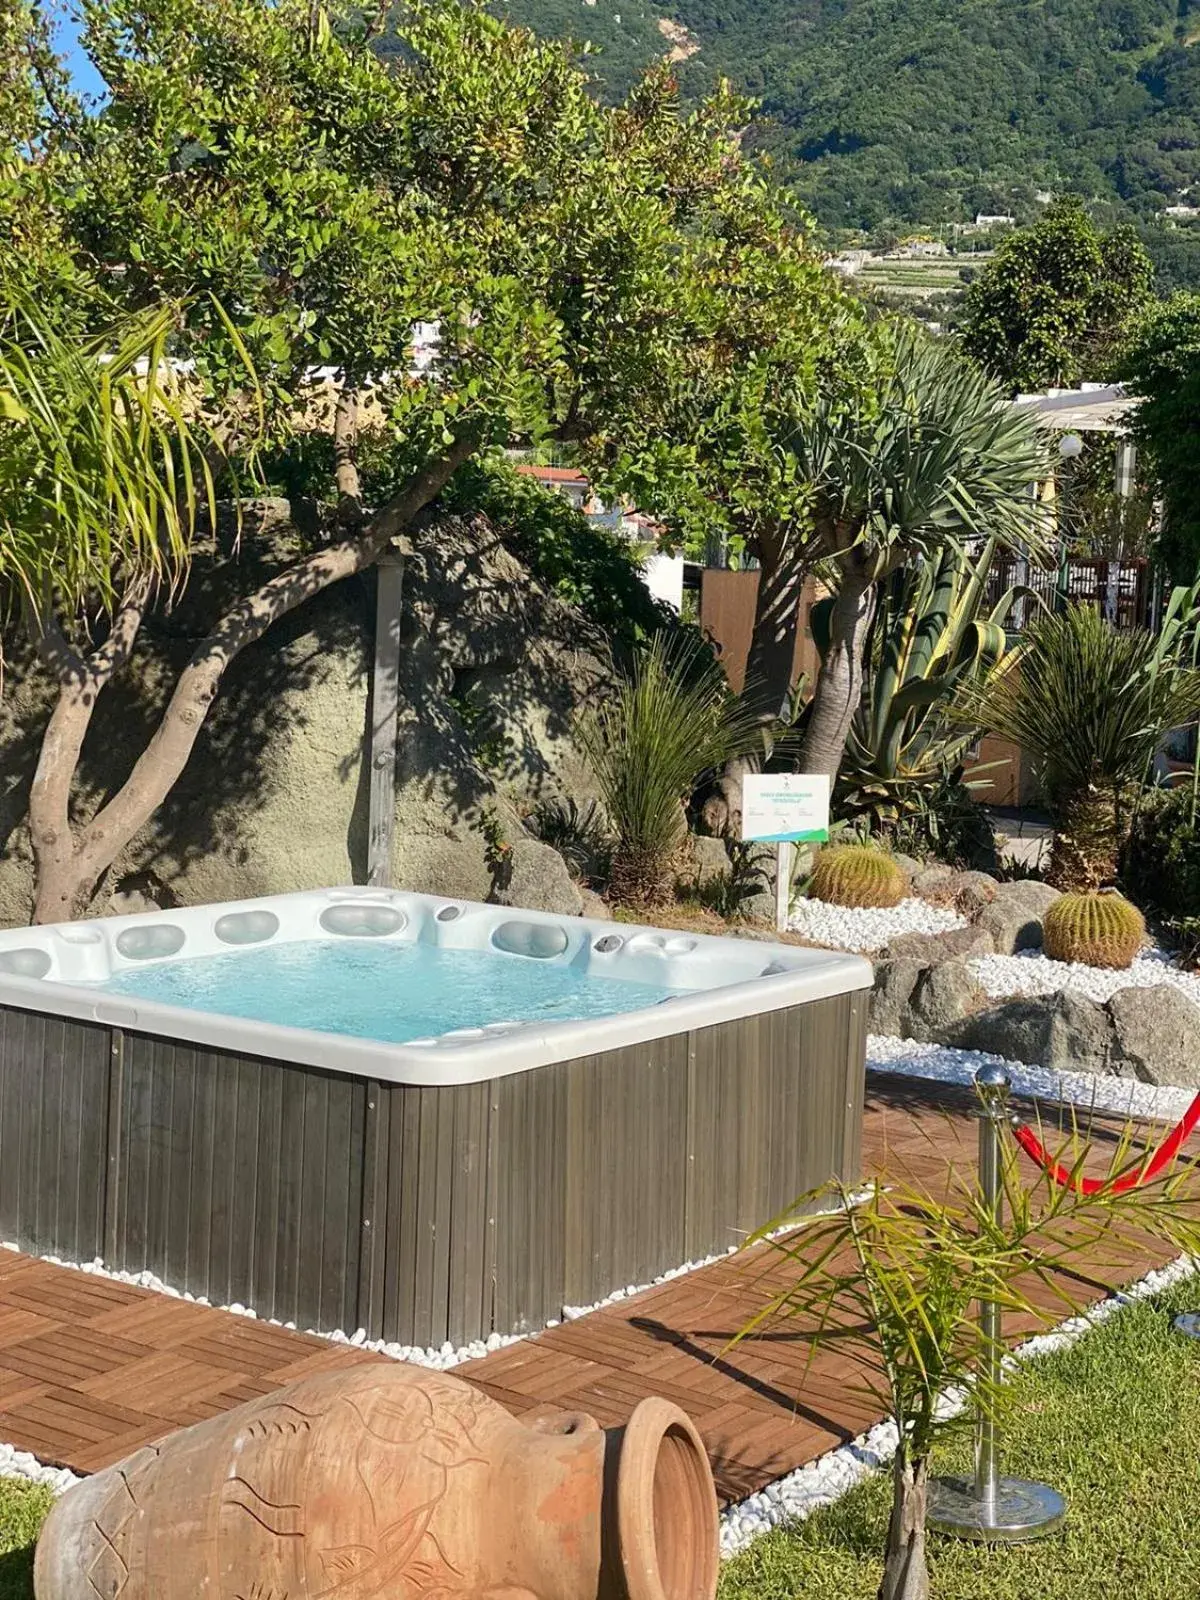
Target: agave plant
[[929, 643], [1091, 705], [671, 721]]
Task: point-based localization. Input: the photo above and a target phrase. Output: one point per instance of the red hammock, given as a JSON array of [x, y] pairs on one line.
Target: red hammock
[[1131, 1178]]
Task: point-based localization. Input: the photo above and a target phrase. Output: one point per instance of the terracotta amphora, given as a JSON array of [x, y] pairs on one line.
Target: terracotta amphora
[[385, 1482]]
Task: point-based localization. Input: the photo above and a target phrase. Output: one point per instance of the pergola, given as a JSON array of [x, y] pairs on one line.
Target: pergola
[[1092, 408]]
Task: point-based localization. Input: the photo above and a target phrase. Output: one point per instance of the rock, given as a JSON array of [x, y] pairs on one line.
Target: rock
[[760, 906], [944, 995], [536, 878], [909, 865], [973, 891], [1158, 1034], [1011, 926], [275, 796], [594, 906], [1064, 1032], [1030, 892], [934, 880], [707, 858], [955, 943], [1014, 917], [895, 981]]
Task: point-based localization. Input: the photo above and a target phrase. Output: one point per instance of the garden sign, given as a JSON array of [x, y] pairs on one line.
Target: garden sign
[[785, 809]]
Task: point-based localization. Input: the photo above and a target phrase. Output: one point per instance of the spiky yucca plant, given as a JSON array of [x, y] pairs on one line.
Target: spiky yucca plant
[[671, 720], [1091, 705], [857, 875], [1101, 930], [934, 456]]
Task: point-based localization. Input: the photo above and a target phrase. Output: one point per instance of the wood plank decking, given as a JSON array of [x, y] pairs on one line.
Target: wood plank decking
[[90, 1369]]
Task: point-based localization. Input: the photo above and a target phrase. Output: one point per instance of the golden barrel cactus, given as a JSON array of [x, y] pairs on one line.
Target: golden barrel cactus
[[1100, 930], [857, 875]]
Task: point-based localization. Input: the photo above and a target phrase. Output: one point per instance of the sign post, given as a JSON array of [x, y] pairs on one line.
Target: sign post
[[785, 809]]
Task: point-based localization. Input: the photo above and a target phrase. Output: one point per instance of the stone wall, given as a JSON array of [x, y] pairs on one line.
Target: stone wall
[[274, 798]]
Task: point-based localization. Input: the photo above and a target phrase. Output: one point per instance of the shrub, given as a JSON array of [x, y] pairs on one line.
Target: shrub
[[857, 875], [1161, 868], [1091, 705], [1101, 930], [944, 820], [670, 721], [580, 834]]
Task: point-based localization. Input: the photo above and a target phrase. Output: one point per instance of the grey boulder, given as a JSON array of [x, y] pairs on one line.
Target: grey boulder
[[1158, 1034], [1064, 1032], [536, 878], [1014, 917], [955, 943], [895, 981], [943, 996]]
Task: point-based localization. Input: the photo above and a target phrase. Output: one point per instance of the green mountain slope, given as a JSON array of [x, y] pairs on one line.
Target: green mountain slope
[[928, 110]]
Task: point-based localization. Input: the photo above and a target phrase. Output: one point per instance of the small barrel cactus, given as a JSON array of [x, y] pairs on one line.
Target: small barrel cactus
[[857, 875], [1101, 930]]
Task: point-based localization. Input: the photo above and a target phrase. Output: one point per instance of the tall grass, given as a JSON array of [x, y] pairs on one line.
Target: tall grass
[[671, 721]]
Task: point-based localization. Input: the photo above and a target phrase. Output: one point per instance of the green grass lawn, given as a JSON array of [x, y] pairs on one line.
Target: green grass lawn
[[23, 1509], [1114, 1423]]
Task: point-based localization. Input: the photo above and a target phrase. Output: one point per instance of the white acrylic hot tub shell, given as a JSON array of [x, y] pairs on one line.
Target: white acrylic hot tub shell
[[732, 977]]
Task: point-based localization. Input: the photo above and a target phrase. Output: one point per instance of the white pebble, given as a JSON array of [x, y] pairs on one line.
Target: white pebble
[[1032, 972], [943, 1064], [865, 928]]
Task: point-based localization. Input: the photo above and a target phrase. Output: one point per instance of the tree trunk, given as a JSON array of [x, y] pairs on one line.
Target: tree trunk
[[71, 861], [62, 872], [840, 681], [1088, 836], [768, 683], [906, 1571], [767, 687]]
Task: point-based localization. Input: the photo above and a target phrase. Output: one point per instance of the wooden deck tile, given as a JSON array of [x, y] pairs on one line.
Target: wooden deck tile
[[92, 1369]]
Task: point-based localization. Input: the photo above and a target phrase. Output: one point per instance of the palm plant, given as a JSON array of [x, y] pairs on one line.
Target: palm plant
[[935, 456], [106, 460], [893, 1279], [102, 468], [1091, 706], [928, 643], [671, 721]]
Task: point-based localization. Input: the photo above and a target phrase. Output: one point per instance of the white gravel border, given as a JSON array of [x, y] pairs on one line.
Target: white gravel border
[[868, 928], [1033, 972], [1122, 1096]]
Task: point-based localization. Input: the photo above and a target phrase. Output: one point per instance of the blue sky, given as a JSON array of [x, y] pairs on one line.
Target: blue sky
[[84, 78]]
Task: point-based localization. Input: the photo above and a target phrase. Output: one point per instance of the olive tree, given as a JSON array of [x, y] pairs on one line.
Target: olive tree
[[312, 205]]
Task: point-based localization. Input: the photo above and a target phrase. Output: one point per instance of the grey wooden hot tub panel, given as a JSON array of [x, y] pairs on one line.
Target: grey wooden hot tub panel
[[421, 1214]]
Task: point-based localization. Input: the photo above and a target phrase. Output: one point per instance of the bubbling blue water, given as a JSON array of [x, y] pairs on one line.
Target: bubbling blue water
[[389, 992]]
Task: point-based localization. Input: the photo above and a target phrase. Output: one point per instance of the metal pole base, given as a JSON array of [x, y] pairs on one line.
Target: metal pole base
[[1021, 1510], [1188, 1323]]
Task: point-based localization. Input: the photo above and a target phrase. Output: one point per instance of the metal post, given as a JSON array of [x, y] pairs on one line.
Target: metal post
[[992, 1508], [385, 688], [783, 884]]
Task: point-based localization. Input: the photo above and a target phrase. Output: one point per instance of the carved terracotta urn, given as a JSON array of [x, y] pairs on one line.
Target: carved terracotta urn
[[385, 1482]]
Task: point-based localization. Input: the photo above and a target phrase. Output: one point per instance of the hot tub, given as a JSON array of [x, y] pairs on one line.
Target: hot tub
[[261, 1101]]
